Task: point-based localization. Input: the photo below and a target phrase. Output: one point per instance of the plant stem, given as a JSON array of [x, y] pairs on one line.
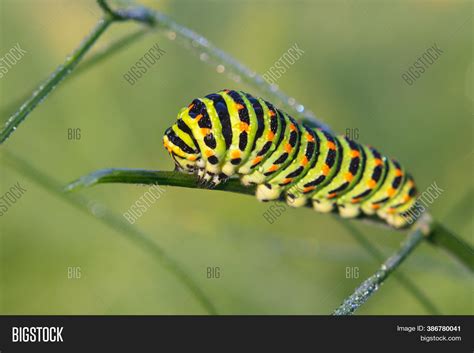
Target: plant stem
[[140, 176], [410, 286], [117, 223], [56, 77], [442, 238], [88, 63], [154, 18], [372, 284], [214, 56]]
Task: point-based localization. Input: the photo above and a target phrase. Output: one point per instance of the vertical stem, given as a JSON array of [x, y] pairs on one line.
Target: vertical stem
[[61, 72]]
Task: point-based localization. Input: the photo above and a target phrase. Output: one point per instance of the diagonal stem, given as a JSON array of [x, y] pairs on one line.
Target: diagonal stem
[[410, 286], [56, 77], [88, 63], [156, 19], [372, 284]]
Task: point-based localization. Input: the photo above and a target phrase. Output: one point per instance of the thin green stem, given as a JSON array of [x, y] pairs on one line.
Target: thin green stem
[[409, 285], [447, 241], [462, 251], [372, 284], [214, 56], [88, 63], [140, 176], [118, 223], [193, 40], [107, 10], [56, 77]]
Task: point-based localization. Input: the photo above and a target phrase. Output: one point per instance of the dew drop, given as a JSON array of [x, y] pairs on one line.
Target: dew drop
[[97, 209], [220, 69], [203, 41]]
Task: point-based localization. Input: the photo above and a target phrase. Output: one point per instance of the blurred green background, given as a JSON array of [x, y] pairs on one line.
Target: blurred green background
[[349, 75]]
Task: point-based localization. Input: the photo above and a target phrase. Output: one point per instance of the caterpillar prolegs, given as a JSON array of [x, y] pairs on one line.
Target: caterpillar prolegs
[[233, 133]]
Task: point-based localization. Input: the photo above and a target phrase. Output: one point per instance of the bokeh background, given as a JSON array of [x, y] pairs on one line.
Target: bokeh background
[[349, 75]]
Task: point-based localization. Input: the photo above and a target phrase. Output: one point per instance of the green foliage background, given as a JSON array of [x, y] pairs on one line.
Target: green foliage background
[[350, 76]]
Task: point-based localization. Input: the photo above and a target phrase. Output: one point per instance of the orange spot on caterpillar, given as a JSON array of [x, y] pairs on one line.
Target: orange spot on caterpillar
[[198, 117], [398, 172], [167, 146], [288, 148], [333, 195], [355, 153], [304, 161], [273, 168], [309, 188], [192, 157], [205, 131], [390, 191], [375, 206], [257, 160], [391, 210], [271, 113], [239, 106], [235, 154], [325, 169], [292, 127], [287, 181], [331, 145], [356, 200], [349, 176], [378, 162], [243, 126], [310, 137], [270, 136], [190, 106], [371, 183], [406, 198], [209, 153]]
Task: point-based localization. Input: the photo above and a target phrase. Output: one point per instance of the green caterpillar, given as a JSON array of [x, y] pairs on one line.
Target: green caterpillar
[[232, 132]]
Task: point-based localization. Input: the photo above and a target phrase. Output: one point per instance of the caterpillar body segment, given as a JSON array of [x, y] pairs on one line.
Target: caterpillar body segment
[[233, 133]]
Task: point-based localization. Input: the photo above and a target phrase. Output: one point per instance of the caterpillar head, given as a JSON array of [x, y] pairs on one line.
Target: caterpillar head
[[182, 148]]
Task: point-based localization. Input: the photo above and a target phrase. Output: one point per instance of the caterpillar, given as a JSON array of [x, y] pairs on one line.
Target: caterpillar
[[233, 133]]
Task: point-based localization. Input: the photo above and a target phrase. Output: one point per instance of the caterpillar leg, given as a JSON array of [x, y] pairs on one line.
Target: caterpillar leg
[[323, 206], [298, 200], [268, 192], [252, 179], [349, 211]]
